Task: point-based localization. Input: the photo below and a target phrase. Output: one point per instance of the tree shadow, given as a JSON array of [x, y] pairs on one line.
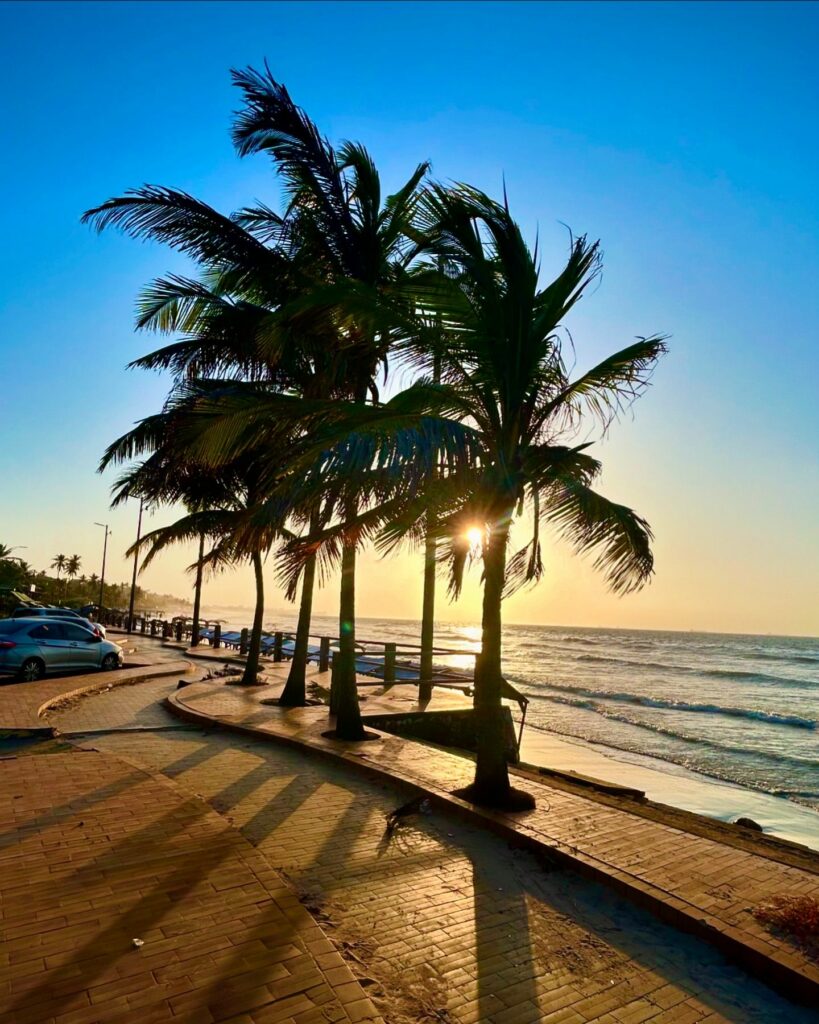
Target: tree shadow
[[127, 859], [547, 940], [504, 959], [88, 800]]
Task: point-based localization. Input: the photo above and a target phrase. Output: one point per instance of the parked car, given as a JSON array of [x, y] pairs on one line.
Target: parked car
[[59, 613], [29, 648]]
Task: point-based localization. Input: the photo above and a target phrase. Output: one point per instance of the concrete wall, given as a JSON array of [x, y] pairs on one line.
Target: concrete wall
[[448, 728]]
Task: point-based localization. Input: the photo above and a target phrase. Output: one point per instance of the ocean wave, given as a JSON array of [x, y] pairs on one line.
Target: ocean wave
[[799, 659], [740, 675], [809, 798], [611, 714], [768, 717]]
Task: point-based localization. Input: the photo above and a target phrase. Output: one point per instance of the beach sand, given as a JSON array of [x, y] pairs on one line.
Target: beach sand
[[674, 785]]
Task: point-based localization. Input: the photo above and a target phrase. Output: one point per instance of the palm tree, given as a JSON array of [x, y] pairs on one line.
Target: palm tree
[[504, 380], [314, 273], [59, 563], [72, 568], [361, 244], [504, 364], [218, 504]]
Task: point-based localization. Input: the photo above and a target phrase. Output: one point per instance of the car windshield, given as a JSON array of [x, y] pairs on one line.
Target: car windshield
[[9, 626]]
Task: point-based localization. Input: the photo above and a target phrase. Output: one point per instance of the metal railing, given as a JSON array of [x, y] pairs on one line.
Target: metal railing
[[385, 660]]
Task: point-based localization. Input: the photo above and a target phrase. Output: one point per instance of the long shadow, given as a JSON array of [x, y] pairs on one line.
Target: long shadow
[[256, 829], [23, 830], [80, 803], [94, 957], [204, 752], [532, 923], [503, 949]]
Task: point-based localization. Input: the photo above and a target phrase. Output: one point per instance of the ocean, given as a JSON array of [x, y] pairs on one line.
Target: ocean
[[737, 709]]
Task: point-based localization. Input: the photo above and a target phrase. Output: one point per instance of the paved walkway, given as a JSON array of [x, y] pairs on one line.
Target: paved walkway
[[440, 921], [693, 881], [23, 705], [124, 899]]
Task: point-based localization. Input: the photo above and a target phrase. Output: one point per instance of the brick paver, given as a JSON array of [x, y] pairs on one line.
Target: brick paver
[[442, 921], [22, 705], [707, 882], [125, 900]]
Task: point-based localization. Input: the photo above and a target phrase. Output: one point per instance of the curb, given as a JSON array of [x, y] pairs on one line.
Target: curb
[[779, 970], [140, 676], [168, 669]]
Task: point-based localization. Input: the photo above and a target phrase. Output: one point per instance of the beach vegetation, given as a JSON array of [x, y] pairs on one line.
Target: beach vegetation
[[287, 336]]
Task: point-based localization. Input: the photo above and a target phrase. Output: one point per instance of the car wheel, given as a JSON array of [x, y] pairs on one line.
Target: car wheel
[[110, 662], [31, 670]]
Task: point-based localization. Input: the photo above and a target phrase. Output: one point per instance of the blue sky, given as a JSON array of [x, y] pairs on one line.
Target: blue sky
[[682, 135]]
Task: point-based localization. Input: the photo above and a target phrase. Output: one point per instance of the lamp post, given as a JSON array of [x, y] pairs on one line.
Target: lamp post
[[133, 578], [104, 552]]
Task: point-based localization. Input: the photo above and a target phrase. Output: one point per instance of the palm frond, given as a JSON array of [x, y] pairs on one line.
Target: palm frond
[[186, 224], [617, 537], [611, 385]]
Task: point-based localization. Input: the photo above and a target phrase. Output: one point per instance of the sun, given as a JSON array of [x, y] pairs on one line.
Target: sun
[[475, 536]]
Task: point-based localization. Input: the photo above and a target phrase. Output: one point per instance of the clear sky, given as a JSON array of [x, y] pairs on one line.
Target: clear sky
[[682, 135]]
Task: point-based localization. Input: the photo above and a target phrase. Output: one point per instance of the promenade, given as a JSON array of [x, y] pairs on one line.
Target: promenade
[[444, 920]]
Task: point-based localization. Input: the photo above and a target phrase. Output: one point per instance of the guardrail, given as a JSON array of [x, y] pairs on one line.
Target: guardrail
[[387, 661]]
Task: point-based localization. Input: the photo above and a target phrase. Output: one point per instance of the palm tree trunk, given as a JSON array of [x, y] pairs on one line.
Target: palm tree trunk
[[197, 593], [345, 696], [427, 617], [254, 650], [294, 693], [491, 785], [430, 551]]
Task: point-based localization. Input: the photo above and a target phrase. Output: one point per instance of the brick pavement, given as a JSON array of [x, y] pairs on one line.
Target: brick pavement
[[95, 853], [442, 921], [700, 883], [22, 705]]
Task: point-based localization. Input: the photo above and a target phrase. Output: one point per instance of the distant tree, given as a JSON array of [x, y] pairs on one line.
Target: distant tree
[[72, 568], [59, 564], [14, 572]]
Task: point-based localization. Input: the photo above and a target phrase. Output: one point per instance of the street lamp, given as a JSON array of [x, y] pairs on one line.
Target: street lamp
[[104, 552], [133, 578]]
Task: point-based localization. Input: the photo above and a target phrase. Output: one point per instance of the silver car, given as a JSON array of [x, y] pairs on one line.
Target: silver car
[[31, 647]]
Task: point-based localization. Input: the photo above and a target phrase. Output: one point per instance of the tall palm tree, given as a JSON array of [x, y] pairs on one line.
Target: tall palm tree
[[72, 568], [314, 272], [504, 380], [361, 242], [506, 368], [59, 563]]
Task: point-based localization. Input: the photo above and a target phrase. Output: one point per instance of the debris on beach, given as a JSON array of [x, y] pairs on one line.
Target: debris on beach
[[794, 916]]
